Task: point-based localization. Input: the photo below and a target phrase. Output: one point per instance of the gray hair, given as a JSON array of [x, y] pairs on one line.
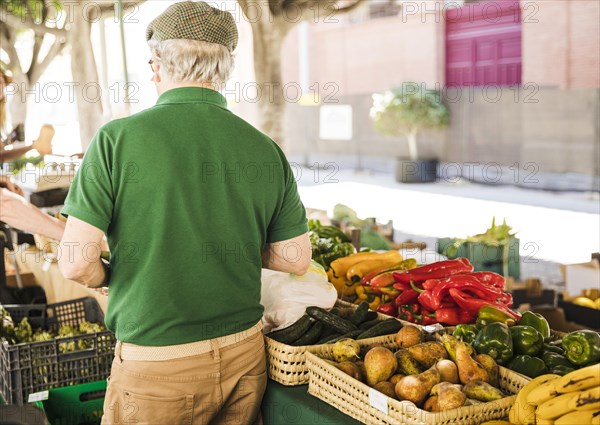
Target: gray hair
[[195, 61]]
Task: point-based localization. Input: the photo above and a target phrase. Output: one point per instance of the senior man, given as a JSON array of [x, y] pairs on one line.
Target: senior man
[[194, 201]]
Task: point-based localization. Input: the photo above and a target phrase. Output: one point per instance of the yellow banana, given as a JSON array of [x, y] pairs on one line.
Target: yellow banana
[[578, 380], [540, 421], [580, 400], [584, 302], [496, 423], [522, 412], [580, 417]]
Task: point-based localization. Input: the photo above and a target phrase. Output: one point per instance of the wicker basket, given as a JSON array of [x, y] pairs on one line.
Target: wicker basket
[[352, 397], [287, 364]]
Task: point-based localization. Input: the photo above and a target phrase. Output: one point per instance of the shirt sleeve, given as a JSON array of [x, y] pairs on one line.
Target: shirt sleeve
[[91, 196], [290, 221]]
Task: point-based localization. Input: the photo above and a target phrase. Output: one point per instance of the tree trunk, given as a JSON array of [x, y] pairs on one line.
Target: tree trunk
[[83, 66], [268, 39], [412, 146]]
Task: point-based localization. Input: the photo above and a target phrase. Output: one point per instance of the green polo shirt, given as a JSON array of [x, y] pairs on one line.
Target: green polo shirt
[[188, 194]]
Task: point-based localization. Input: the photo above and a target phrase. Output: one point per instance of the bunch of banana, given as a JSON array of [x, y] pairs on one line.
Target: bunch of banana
[[568, 400]]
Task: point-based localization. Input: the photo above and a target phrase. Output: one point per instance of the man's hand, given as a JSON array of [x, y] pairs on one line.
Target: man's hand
[[6, 183]]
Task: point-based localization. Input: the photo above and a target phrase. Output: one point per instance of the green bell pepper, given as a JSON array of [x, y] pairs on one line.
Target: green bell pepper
[[495, 341], [528, 366], [553, 349], [488, 314], [582, 347], [553, 359], [526, 340], [536, 321], [466, 333], [561, 370]]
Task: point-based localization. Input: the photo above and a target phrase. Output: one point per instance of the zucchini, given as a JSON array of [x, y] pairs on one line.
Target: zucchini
[[360, 313], [368, 324], [312, 336], [341, 325], [384, 327], [351, 335], [292, 332]]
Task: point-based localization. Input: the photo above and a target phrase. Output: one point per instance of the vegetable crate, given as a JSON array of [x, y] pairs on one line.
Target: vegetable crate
[[31, 367], [371, 407], [79, 404], [484, 257], [287, 364]]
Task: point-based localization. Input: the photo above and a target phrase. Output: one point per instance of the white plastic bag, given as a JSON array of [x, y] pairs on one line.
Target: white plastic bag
[[286, 296]]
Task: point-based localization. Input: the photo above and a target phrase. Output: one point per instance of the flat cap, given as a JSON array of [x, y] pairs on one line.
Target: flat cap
[[193, 20]]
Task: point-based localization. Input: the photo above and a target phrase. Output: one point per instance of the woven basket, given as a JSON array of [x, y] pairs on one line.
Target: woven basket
[[352, 398], [287, 364]]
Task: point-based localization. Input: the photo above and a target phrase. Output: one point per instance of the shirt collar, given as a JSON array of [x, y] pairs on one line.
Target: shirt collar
[[192, 95]]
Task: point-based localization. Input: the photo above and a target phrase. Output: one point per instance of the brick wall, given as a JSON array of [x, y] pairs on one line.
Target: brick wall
[[561, 43]]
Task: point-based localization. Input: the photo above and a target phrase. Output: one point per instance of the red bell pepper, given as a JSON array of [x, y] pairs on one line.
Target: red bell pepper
[[453, 316], [437, 270], [425, 299], [472, 305], [430, 284], [388, 308], [464, 282], [490, 278], [409, 313]]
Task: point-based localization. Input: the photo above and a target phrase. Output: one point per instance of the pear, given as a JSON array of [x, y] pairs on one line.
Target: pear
[[482, 391], [351, 369], [416, 388], [468, 369], [346, 349], [380, 365], [491, 366], [387, 388]]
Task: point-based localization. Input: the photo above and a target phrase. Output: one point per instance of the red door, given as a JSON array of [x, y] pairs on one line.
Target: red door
[[483, 44]]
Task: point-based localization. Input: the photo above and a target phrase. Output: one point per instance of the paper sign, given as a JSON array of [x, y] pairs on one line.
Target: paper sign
[[581, 276], [46, 265], [42, 395], [378, 400]]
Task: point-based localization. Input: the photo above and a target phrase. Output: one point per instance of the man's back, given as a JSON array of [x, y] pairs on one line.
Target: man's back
[[193, 193]]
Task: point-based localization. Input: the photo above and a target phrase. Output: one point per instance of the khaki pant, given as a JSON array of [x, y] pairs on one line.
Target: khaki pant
[[224, 386]]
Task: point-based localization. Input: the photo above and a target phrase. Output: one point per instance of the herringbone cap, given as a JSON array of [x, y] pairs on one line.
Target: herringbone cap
[[193, 20]]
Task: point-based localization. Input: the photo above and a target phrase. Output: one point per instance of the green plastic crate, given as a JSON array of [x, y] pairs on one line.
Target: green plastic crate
[[75, 405], [484, 257]]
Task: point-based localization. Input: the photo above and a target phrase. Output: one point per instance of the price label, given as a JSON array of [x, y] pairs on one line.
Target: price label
[[42, 395], [378, 400]]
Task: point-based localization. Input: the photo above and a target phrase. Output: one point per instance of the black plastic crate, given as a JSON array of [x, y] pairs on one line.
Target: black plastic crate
[[36, 366]]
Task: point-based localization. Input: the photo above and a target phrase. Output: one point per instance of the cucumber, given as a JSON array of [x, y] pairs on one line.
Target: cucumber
[[312, 336], [292, 332], [327, 338], [360, 313], [371, 315], [384, 327], [368, 324], [351, 335], [341, 325]]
